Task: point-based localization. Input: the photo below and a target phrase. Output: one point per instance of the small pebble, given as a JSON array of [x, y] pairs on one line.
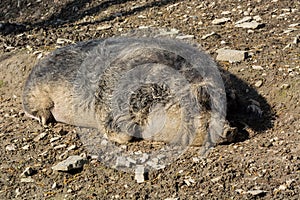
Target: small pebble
[[258, 83], [285, 86], [257, 67], [144, 158], [122, 162], [282, 187], [27, 180], [140, 174], [27, 172], [225, 12], [189, 181], [294, 25], [183, 37], [72, 147], [61, 146], [54, 185], [209, 35], [214, 180], [296, 39], [103, 27], [40, 136], [11, 147], [55, 138], [63, 41], [257, 18], [17, 192], [220, 21], [26, 147], [256, 192], [245, 19]]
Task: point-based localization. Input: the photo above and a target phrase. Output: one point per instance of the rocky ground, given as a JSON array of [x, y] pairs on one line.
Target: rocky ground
[[266, 165]]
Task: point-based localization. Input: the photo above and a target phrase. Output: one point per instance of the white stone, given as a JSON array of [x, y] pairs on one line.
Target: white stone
[[54, 185], [214, 180], [245, 19], [220, 21], [282, 187], [27, 172], [294, 25], [225, 12], [40, 137], [183, 37], [296, 39], [142, 17], [55, 138], [10, 147], [231, 55], [257, 67], [140, 174], [122, 162], [103, 27], [72, 147], [285, 86], [240, 191], [26, 147], [27, 180], [72, 162], [208, 35], [61, 146], [256, 192], [144, 158], [258, 83], [251, 25], [257, 18], [63, 41]]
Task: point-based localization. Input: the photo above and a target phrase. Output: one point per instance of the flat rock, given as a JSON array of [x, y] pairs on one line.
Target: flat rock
[[250, 25], [256, 192], [257, 67], [40, 136], [122, 162], [140, 174], [231, 55], [103, 27], [245, 19], [209, 35], [27, 180], [72, 162], [183, 37], [220, 21]]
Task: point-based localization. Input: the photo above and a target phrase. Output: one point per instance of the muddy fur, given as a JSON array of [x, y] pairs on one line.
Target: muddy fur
[[130, 87]]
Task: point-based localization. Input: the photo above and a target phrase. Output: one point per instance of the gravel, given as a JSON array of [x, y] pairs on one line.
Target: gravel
[[264, 164]]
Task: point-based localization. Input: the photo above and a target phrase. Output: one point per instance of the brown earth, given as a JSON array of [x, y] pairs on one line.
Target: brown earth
[[264, 166]]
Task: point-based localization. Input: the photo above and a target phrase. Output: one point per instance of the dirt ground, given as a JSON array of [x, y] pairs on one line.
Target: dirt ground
[[265, 165]]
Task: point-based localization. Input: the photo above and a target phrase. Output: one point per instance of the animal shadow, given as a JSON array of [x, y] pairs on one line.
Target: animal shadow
[[248, 111]]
